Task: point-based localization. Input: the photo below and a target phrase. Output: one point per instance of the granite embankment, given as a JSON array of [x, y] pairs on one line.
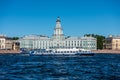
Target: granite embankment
[[9, 51], [96, 51], [108, 51]]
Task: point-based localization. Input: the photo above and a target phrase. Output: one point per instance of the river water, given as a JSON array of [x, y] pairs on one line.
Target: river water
[[25, 67]]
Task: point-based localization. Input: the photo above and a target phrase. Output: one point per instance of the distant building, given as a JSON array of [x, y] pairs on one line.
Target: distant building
[[8, 43], [112, 43], [2, 41], [58, 40]]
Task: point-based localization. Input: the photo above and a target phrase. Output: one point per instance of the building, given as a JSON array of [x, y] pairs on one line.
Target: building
[[58, 40], [8, 43], [112, 43], [2, 41]]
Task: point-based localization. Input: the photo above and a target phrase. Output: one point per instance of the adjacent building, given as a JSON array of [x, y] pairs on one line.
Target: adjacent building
[[2, 41], [58, 40], [112, 43], [8, 43]]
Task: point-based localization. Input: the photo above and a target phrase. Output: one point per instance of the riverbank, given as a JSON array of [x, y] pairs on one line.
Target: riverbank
[[96, 51], [9, 51], [107, 51]]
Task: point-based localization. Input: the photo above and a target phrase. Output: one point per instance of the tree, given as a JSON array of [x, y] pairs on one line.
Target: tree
[[15, 38]]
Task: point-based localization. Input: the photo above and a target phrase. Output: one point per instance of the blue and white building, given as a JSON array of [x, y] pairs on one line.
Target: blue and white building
[[58, 40]]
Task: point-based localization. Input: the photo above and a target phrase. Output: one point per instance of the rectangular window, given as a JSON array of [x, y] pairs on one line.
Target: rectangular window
[[2, 41]]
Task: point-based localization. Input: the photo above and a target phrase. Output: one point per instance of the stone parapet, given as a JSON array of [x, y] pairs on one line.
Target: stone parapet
[[9, 51], [107, 51]]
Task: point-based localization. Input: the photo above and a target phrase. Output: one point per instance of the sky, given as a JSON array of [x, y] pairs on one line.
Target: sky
[[78, 17]]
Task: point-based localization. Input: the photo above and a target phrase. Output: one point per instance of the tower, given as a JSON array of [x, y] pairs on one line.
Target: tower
[[58, 31], [58, 36]]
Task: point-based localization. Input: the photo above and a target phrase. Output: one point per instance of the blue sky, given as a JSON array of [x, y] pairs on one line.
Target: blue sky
[[78, 17]]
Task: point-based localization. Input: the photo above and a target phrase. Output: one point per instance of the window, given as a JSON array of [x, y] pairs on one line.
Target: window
[[66, 42], [2, 46], [74, 41], [2, 41], [116, 40]]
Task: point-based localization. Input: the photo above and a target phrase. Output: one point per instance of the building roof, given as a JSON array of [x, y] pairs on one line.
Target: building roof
[[114, 37], [73, 38], [35, 37], [87, 37], [2, 36]]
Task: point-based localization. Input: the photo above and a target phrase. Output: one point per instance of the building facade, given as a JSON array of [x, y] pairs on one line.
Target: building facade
[[2, 41], [8, 43], [58, 40], [112, 43]]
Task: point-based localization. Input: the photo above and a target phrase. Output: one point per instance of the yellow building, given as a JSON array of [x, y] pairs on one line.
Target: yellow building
[[116, 43], [8, 43], [112, 42]]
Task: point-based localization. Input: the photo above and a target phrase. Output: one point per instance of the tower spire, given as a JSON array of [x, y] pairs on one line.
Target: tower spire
[[58, 19]]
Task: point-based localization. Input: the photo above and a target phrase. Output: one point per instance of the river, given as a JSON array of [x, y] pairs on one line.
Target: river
[[25, 67]]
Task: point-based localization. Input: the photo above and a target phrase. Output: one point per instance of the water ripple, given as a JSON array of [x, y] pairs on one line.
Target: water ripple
[[100, 66]]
